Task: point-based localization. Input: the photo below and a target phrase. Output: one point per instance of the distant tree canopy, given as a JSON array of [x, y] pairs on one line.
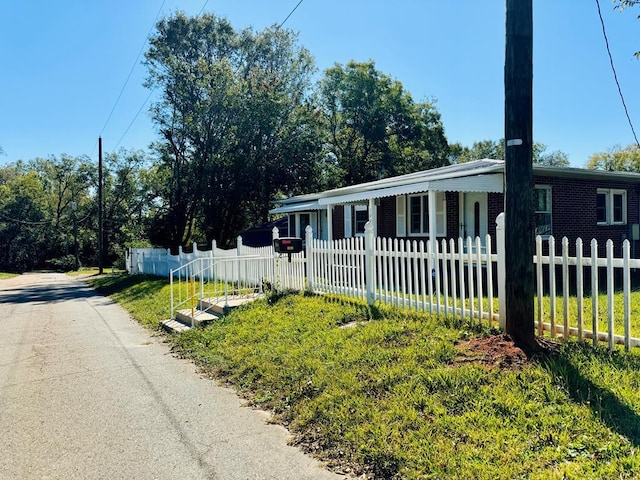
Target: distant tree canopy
[[495, 149], [375, 128], [41, 201], [619, 159]]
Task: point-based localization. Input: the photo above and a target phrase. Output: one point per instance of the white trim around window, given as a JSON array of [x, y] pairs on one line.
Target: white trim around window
[[412, 215], [611, 206]]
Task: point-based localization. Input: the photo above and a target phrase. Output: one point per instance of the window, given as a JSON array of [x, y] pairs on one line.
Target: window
[[611, 207], [361, 218], [298, 223], [305, 220], [418, 215], [292, 225], [542, 209]]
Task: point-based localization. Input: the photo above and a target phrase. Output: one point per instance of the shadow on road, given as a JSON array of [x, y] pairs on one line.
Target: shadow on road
[[47, 293]]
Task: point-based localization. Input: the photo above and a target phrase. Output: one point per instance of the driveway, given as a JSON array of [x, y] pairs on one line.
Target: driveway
[[86, 393]]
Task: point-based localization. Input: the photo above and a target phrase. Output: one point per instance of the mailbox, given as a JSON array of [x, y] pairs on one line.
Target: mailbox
[[287, 245]]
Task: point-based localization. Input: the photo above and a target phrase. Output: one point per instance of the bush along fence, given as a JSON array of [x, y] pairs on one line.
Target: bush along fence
[[460, 278]]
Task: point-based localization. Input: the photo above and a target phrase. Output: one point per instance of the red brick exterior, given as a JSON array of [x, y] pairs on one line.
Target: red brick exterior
[[573, 213]]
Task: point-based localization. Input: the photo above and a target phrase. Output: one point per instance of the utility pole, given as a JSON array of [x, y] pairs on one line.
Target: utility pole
[[518, 80], [76, 262], [100, 233]]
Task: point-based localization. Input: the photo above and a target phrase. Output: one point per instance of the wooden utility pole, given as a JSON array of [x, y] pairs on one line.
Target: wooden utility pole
[[518, 79], [100, 233]]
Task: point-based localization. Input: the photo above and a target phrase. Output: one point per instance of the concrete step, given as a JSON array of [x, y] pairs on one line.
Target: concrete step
[[221, 306], [173, 326], [200, 317], [209, 310]]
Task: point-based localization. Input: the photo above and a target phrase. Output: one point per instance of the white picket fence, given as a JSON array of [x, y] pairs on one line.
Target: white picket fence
[[587, 270], [460, 278], [456, 279]]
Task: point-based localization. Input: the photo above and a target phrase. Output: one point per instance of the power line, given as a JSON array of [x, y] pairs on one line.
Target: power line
[[152, 91], [290, 13], [135, 64], [615, 75], [134, 119], [203, 6]]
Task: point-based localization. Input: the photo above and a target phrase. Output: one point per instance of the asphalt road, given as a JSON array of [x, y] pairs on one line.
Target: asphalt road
[[86, 393]]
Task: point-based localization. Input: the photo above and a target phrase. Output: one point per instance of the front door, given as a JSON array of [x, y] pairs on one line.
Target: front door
[[474, 222]]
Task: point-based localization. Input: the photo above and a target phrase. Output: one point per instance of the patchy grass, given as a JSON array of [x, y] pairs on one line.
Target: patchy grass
[[380, 390], [4, 276]]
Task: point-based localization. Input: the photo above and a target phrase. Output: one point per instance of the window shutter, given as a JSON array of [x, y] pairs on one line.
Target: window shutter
[[401, 216], [347, 221]]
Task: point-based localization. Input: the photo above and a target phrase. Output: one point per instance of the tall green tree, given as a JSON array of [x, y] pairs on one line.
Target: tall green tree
[[375, 128], [236, 123], [127, 193], [618, 159]]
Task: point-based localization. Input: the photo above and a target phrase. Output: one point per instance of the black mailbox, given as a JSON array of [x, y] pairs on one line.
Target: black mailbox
[[287, 245]]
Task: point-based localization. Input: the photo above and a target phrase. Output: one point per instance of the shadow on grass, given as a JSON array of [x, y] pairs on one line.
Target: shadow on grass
[[135, 286], [604, 404]]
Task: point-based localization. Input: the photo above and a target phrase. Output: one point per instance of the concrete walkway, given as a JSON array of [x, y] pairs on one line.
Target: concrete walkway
[[86, 393]]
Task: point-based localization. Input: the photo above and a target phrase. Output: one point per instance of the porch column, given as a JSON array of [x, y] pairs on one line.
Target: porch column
[[329, 222], [433, 239], [373, 216]]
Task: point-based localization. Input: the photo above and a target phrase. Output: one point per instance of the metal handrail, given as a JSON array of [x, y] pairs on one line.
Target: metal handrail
[[212, 288]]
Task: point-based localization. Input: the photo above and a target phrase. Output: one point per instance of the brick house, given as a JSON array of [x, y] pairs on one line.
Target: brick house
[[465, 199]]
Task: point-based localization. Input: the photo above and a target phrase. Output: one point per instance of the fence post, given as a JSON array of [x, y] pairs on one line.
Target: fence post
[[275, 233], [502, 266], [308, 232], [239, 246], [212, 255], [370, 262]]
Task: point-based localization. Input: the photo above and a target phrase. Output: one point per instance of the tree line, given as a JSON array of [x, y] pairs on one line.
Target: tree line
[[241, 121]]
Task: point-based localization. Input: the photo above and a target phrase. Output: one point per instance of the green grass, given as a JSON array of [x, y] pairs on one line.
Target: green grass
[[618, 304], [387, 396], [4, 276]]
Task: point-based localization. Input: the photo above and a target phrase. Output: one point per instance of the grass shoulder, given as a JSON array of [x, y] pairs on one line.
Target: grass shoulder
[[394, 394]]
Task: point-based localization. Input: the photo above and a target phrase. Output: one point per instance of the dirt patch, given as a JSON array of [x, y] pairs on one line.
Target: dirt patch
[[499, 351]]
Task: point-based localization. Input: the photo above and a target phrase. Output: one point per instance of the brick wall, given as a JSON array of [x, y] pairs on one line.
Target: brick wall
[[573, 212]]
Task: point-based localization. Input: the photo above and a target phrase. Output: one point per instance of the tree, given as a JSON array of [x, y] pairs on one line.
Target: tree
[[375, 128], [236, 124], [495, 150], [127, 195], [617, 159], [36, 228]]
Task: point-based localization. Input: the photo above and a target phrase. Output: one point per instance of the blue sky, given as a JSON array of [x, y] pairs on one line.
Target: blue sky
[[64, 64]]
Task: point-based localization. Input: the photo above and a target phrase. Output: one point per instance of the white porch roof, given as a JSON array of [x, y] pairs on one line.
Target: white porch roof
[[299, 207], [480, 183], [477, 176]]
